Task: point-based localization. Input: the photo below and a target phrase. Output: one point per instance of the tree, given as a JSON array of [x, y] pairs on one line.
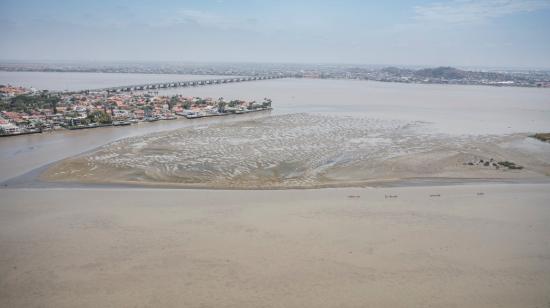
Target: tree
[[172, 102], [105, 105], [221, 106], [53, 104], [112, 108], [266, 103], [27, 102], [147, 110], [252, 105], [99, 116]]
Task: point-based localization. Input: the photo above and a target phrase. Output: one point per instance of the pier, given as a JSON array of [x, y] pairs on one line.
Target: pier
[[179, 84]]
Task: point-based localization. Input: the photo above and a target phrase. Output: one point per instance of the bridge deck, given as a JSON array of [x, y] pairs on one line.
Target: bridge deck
[[176, 84]]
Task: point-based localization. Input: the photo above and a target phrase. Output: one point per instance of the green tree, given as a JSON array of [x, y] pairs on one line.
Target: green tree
[[172, 102], [221, 106], [112, 107], [266, 103], [147, 110], [29, 102], [99, 116], [53, 103]]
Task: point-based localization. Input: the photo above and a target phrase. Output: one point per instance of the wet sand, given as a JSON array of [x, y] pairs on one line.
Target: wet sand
[[459, 246], [303, 151]]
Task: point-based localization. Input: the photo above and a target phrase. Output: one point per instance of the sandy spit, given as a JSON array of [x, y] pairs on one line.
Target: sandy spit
[[456, 246], [302, 151]]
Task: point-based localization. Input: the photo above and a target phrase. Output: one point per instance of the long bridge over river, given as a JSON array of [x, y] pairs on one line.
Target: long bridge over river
[[177, 84]]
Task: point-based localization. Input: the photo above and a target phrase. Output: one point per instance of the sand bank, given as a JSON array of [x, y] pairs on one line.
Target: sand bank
[[303, 151], [463, 246]]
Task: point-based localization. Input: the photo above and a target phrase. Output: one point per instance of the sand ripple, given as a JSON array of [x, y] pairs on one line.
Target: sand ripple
[[297, 150]]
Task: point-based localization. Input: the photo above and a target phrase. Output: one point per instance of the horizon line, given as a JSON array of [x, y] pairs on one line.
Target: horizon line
[[58, 61]]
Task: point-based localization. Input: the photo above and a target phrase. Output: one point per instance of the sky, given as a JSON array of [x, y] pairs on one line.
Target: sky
[[465, 33]]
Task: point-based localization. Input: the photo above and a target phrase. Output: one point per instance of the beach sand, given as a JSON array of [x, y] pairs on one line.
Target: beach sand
[[448, 246]]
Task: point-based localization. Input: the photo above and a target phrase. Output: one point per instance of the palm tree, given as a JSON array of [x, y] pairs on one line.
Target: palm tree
[[54, 105], [221, 106]]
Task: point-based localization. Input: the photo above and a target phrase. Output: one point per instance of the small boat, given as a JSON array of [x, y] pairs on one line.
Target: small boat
[[151, 119], [193, 116], [121, 123]]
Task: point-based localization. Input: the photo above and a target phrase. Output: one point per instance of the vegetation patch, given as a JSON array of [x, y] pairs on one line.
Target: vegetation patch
[[510, 165], [492, 163], [542, 137]]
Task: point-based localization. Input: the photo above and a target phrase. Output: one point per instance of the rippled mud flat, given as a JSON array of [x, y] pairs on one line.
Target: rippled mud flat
[[299, 151]]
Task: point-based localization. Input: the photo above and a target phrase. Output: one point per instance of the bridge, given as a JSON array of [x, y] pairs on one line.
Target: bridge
[[178, 84]]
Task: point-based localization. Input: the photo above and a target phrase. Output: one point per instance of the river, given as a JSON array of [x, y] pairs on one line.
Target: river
[[60, 81]]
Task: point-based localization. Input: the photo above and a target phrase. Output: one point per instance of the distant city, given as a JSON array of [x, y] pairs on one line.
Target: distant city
[[437, 75]]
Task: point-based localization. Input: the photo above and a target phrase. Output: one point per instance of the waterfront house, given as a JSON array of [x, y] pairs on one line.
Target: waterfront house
[[139, 114], [9, 128]]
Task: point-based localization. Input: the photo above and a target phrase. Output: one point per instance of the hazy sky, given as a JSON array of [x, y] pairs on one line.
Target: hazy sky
[[511, 33]]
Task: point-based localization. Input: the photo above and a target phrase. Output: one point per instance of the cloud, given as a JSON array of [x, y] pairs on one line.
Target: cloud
[[208, 19], [468, 11]]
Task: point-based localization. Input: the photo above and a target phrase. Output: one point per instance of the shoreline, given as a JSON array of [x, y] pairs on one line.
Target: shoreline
[[178, 117], [406, 182], [33, 180]]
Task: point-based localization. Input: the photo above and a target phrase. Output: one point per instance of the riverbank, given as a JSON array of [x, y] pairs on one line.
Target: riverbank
[[22, 133], [472, 246]]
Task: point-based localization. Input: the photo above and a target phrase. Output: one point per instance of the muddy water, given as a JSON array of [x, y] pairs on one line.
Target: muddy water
[[59, 81], [451, 109]]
